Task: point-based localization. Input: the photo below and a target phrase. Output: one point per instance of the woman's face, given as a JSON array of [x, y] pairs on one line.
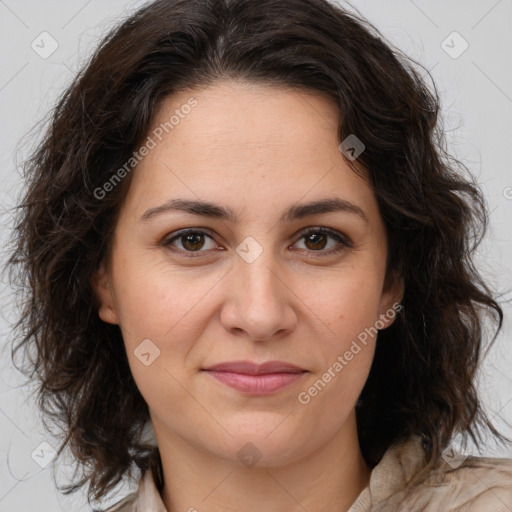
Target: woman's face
[[244, 166]]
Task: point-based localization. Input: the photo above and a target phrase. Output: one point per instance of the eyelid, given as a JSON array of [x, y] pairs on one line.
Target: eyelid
[[167, 241], [340, 237], [329, 231], [343, 241]]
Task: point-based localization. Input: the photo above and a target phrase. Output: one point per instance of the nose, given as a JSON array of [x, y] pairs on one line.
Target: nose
[[259, 300]]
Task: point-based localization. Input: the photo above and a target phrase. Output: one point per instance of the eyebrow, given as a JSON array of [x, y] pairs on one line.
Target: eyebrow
[[295, 212]]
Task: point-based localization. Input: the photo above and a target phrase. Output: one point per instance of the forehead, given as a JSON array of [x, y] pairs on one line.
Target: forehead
[[246, 141], [244, 116]]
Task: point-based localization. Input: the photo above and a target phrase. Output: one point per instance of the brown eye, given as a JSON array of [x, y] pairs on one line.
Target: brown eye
[[324, 241], [316, 241], [191, 241]]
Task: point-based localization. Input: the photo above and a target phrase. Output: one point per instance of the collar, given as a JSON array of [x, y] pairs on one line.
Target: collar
[[398, 466]]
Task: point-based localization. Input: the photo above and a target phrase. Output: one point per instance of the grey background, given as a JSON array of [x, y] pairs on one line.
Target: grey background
[[476, 91]]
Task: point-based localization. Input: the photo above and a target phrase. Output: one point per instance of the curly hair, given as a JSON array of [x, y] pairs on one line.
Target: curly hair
[[422, 381]]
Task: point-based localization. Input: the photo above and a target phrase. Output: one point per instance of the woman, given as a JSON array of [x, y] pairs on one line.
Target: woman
[[242, 231]]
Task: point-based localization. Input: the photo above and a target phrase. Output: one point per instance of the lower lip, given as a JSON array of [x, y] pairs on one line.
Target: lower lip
[[256, 384]]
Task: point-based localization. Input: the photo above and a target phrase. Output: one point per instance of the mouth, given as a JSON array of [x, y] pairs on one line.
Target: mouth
[[256, 379]]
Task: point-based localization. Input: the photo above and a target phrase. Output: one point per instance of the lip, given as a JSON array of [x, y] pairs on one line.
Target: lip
[[250, 368], [256, 379]]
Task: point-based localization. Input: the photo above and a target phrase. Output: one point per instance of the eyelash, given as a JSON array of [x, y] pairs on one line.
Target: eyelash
[[344, 243]]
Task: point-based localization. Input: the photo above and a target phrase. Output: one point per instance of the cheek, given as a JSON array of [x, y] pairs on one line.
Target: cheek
[[346, 353], [347, 302], [156, 302], [170, 309], [172, 322], [348, 306]]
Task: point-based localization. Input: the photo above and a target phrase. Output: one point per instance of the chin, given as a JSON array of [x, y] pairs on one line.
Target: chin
[[264, 444]]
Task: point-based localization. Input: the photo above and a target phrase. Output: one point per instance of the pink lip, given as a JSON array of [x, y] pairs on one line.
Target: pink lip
[[256, 379]]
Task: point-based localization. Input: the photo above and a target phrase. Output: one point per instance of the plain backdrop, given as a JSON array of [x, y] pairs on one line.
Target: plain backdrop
[[465, 45]]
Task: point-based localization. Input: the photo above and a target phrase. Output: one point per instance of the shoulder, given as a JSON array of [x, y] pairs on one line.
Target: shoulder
[[478, 484], [146, 499], [456, 483], [466, 484], [125, 505]]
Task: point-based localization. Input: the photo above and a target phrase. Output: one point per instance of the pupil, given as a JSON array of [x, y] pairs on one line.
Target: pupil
[[195, 239], [313, 236]]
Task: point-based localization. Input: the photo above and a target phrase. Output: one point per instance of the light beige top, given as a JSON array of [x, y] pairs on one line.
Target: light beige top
[[475, 484]]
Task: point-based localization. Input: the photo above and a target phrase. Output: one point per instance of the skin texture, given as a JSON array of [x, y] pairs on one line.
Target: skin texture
[[257, 150]]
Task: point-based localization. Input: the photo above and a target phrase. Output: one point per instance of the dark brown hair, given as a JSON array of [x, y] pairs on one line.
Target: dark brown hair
[[422, 378]]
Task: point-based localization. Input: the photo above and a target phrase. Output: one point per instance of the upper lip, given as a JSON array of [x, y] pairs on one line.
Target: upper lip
[[251, 368]]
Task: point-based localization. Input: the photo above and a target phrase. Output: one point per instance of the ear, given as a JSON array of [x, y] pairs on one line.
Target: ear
[[391, 298], [103, 290]]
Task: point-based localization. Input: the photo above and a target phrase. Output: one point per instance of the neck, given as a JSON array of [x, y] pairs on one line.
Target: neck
[[331, 478]]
